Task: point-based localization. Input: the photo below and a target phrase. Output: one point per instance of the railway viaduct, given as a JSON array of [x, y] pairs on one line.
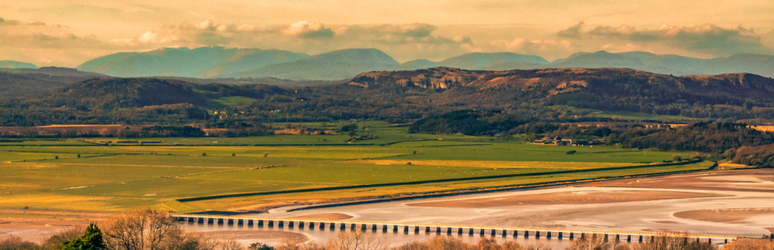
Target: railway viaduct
[[405, 228]]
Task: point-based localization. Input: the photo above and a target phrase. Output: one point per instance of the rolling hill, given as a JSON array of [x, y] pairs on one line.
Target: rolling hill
[[23, 82]]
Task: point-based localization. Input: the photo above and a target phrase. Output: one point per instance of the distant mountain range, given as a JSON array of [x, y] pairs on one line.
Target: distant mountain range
[[16, 65], [220, 62]]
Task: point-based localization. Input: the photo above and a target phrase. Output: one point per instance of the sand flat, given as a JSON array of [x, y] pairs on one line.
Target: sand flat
[[576, 198], [730, 215], [324, 216], [246, 237]]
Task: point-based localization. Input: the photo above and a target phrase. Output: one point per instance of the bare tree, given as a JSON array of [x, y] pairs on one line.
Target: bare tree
[[60, 237], [356, 240], [142, 229], [596, 243], [230, 244], [673, 241]]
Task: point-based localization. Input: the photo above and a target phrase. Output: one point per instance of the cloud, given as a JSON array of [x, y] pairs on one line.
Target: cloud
[[532, 47], [212, 39], [9, 22], [403, 41], [707, 38], [572, 32], [306, 29]]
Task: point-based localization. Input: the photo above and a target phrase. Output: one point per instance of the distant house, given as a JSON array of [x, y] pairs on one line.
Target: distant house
[[544, 141], [563, 142]]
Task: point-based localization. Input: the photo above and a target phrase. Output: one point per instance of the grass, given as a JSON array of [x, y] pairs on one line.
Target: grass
[[118, 177]]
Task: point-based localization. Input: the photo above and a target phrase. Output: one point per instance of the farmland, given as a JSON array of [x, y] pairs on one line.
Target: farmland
[[113, 174]]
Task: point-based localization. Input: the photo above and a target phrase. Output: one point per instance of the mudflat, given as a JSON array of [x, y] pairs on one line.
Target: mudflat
[[732, 215], [38, 225], [247, 237], [561, 198], [324, 216]]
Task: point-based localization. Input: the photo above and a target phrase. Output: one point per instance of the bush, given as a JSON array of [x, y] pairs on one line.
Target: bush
[[571, 152]]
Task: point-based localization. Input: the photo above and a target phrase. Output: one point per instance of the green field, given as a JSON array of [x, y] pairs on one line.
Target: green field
[[159, 171]]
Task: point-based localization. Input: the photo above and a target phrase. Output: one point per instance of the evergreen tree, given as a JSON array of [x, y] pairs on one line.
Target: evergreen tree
[[91, 240]]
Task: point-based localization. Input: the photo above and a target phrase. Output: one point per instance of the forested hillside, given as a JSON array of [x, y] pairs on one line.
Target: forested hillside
[[550, 95]]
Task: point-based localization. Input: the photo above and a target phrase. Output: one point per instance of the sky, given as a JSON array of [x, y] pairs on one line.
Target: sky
[[70, 32]]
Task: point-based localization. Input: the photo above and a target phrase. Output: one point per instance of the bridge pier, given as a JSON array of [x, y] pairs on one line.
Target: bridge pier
[[384, 228], [481, 232], [240, 222], [343, 226], [220, 221], [505, 233], [200, 220], [470, 231], [363, 227], [617, 238], [405, 229], [526, 234], [640, 238], [459, 230], [493, 233], [416, 229], [629, 238], [438, 230], [395, 228], [572, 235], [373, 228], [250, 223], [448, 231], [300, 225], [548, 235], [427, 229], [311, 225], [537, 234], [190, 219], [290, 224], [333, 226], [515, 234], [280, 224], [560, 236], [271, 223]]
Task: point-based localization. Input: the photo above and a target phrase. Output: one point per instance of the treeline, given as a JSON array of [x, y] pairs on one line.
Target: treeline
[[214, 130], [467, 122], [736, 142]]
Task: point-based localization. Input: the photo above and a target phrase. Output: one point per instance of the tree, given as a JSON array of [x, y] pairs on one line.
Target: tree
[[357, 240], [259, 246], [677, 158], [91, 240], [142, 229]]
